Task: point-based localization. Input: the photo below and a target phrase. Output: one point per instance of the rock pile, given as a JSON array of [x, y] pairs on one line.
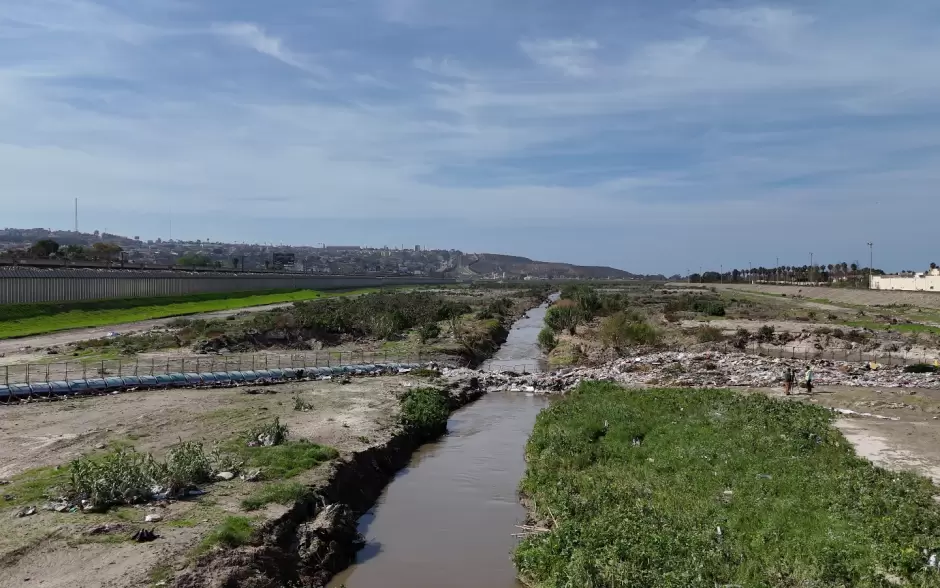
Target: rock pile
[[702, 370]]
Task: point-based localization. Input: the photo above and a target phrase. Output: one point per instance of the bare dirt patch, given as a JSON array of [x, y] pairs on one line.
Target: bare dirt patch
[[56, 549]]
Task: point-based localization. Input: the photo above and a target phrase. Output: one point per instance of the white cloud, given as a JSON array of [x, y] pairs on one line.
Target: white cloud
[[764, 18], [254, 37], [573, 57]]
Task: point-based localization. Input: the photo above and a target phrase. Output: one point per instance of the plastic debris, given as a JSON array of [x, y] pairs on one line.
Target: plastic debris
[[153, 518]]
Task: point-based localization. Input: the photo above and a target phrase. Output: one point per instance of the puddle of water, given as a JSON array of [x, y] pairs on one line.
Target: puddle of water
[[448, 518]]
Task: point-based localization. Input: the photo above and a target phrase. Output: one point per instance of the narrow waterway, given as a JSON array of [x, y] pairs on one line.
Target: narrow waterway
[[448, 518]]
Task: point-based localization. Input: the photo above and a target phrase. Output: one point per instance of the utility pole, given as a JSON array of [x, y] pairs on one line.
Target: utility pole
[[777, 270], [871, 262], [76, 215], [812, 270], [721, 274]]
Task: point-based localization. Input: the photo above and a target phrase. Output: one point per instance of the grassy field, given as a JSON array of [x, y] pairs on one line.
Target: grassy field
[[20, 320], [680, 488]]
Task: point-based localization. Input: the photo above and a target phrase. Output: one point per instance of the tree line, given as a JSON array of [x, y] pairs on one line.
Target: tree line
[[843, 272]]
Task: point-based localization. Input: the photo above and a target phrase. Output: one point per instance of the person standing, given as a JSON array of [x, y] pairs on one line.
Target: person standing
[[809, 379], [788, 377]]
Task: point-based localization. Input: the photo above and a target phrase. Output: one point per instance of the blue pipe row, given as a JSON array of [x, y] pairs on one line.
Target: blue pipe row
[[187, 380]]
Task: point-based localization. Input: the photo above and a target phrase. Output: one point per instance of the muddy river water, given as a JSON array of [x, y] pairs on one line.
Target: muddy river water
[[448, 518]]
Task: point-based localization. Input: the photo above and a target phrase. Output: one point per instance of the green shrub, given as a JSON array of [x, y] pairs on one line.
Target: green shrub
[[429, 331], [708, 334], [125, 476], [302, 405], [563, 317], [765, 333], [424, 412], [621, 330], [547, 339]]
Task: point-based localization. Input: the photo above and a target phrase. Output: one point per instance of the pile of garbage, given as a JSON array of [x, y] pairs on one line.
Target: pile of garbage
[[701, 370]]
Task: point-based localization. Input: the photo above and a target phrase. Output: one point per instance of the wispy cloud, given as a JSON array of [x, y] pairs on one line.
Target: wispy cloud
[[255, 37], [573, 57]]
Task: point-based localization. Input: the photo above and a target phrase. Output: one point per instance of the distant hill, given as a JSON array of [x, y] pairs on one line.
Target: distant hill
[[516, 267]]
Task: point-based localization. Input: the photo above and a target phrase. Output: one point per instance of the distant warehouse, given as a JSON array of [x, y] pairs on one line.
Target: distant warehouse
[[927, 281]]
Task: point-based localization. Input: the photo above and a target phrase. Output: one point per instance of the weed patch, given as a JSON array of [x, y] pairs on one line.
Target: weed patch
[[285, 493], [705, 488], [233, 532]]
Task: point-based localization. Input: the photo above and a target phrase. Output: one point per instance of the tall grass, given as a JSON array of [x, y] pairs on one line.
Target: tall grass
[[694, 488]]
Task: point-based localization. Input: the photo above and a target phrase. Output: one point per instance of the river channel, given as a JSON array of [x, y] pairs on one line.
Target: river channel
[[448, 518]]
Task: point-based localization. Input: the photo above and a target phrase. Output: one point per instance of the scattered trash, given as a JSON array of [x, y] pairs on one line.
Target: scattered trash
[[26, 511], [251, 475], [153, 518], [195, 492], [144, 535], [100, 446], [700, 370], [225, 476], [764, 477]]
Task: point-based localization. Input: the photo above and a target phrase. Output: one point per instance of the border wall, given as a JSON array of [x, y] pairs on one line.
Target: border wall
[[31, 285]]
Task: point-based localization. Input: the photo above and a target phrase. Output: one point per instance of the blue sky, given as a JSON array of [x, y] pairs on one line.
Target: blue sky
[[651, 136]]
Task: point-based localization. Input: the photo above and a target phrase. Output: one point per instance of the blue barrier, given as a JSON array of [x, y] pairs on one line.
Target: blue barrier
[[190, 379]]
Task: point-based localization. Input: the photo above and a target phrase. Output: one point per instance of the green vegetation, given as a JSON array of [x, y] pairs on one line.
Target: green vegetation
[[708, 306], [708, 334], [565, 354], [899, 328], [547, 339], [233, 532], [124, 476], [699, 488], [424, 412], [20, 320], [429, 331], [34, 485], [283, 461], [563, 316], [285, 493], [623, 329]]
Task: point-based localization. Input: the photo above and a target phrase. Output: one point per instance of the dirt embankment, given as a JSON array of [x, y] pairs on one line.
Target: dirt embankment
[[316, 538]]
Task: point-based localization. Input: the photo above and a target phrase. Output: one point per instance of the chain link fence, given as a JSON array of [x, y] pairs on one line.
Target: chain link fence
[[35, 373]]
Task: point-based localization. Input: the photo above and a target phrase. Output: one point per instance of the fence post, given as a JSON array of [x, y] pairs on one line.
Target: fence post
[[66, 371], [167, 366], [120, 369], [153, 361], [27, 374], [47, 373], [84, 370], [198, 369], [101, 371]]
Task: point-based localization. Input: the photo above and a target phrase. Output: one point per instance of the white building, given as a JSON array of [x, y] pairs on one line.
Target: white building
[[927, 282]]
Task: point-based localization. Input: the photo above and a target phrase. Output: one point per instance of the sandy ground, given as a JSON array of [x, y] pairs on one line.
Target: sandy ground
[[17, 350], [844, 295], [54, 549]]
